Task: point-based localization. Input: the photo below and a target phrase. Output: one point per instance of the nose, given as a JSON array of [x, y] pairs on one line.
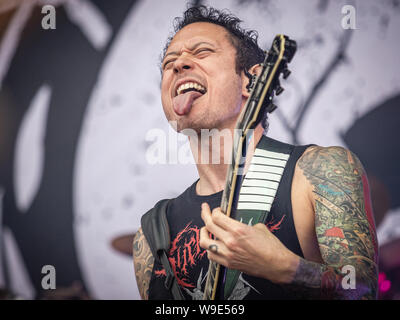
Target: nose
[[182, 63]]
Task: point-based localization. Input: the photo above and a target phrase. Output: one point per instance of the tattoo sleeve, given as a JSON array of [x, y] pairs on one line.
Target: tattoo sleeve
[[143, 263], [344, 227]]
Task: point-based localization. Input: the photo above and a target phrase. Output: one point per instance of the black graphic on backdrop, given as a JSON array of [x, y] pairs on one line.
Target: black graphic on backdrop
[[66, 61]]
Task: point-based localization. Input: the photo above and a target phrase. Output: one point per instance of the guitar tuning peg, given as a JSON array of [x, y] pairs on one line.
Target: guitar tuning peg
[[286, 73], [271, 107], [279, 90]]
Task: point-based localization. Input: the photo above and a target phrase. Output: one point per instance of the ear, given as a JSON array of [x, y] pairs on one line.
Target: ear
[[254, 70]]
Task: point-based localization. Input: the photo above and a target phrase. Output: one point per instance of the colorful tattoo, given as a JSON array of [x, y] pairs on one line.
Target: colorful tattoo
[[143, 262], [344, 226]]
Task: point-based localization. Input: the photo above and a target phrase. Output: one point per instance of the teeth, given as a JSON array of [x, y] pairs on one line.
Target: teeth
[[188, 85]]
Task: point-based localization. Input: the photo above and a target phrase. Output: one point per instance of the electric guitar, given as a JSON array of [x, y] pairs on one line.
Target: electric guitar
[[262, 90]]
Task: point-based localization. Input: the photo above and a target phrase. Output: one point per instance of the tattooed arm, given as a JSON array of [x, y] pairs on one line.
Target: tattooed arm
[[344, 227], [143, 262]]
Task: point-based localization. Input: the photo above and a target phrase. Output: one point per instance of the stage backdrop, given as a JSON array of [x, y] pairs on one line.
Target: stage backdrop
[[79, 104]]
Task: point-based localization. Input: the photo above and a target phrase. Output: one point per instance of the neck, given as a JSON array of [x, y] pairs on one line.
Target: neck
[[212, 153]]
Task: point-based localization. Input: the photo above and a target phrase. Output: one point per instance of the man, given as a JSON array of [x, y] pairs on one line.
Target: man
[[320, 230]]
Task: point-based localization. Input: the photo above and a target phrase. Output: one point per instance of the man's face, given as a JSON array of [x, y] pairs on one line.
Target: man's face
[[202, 55]]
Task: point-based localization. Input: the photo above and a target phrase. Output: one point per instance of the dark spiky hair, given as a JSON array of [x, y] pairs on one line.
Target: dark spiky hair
[[248, 53]]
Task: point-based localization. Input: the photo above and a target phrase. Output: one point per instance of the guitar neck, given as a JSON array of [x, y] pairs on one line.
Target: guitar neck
[[228, 204], [259, 102]]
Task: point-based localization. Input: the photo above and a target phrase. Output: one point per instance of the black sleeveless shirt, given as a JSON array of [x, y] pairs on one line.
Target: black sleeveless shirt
[[189, 261]]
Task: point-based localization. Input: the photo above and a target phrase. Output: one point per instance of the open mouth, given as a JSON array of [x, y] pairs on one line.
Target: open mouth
[[190, 86], [185, 95]]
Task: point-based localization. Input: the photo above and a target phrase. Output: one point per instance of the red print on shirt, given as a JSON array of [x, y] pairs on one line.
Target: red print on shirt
[[184, 254], [274, 225]]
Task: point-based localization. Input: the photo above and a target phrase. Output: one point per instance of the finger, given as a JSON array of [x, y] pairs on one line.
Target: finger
[[216, 249], [211, 245], [204, 236], [224, 222], [210, 224], [205, 239], [218, 258], [213, 248]]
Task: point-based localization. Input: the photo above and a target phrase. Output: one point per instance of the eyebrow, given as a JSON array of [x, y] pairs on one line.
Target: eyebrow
[[191, 49]]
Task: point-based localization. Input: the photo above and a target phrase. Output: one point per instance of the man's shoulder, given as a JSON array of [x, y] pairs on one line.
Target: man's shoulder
[[337, 159], [334, 169]]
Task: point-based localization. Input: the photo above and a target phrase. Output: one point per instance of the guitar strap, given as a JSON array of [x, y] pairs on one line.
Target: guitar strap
[[156, 230], [258, 191]]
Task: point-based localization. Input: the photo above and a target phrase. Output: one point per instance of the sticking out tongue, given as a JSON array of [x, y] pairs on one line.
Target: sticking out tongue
[[183, 102]]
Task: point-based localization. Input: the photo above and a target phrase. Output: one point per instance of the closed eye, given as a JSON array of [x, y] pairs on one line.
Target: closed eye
[[167, 63], [202, 50], [196, 53]]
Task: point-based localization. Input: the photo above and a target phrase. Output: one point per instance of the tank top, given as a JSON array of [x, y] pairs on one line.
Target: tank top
[[189, 261]]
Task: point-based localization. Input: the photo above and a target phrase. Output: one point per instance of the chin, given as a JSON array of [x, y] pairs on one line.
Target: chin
[[190, 127], [187, 127], [198, 118]]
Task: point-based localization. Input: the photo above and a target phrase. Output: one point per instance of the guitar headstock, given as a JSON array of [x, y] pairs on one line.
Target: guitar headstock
[[281, 54], [267, 83]]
